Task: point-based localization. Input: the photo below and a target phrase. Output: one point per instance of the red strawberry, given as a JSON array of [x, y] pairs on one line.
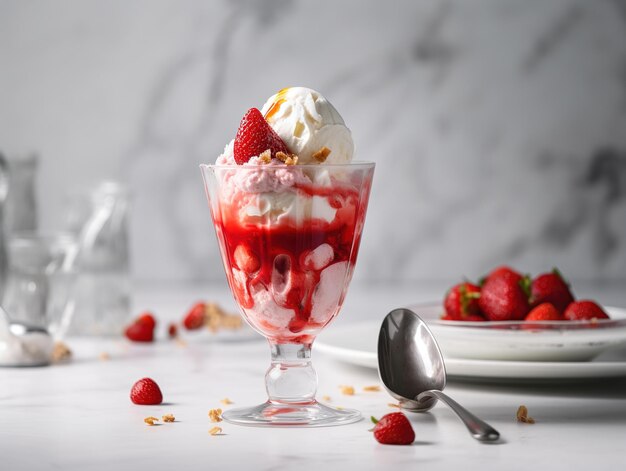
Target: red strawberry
[[584, 310], [504, 298], [146, 392], [255, 136], [499, 271], [551, 288], [462, 301], [544, 312], [393, 429], [172, 330], [142, 329], [195, 317], [147, 318]]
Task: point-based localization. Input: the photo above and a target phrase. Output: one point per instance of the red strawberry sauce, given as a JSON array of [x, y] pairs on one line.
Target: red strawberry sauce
[[270, 267]]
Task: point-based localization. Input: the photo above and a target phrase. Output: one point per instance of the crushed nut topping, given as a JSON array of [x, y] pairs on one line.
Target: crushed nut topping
[[61, 352], [522, 415], [288, 159], [168, 418], [151, 420], [215, 415], [373, 388], [322, 154], [347, 390], [215, 431], [265, 156], [226, 401]]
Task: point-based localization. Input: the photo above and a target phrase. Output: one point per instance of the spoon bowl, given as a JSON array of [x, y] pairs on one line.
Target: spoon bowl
[[412, 370]]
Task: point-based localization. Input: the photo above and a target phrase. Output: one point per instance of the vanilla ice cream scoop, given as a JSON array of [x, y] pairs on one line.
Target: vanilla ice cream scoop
[[307, 122]]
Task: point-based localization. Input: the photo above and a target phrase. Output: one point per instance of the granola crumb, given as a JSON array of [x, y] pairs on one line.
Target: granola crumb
[[321, 154], [215, 431], [266, 156], [347, 390], [180, 342], [104, 356], [394, 405], [215, 318], [373, 388], [287, 159], [522, 415], [151, 420], [326, 398], [226, 401], [215, 415], [168, 418], [61, 352]]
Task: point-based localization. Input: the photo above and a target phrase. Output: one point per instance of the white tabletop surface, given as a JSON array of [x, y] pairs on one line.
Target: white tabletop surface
[[78, 416]]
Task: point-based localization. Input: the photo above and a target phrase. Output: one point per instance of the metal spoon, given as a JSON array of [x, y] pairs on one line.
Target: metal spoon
[[411, 367]]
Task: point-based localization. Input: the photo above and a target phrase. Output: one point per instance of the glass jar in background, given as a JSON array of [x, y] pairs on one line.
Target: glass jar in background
[[40, 277], [99, 220], [21, 202]]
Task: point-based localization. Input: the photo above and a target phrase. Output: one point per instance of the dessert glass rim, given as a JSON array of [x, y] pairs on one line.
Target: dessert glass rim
[[354, 164]]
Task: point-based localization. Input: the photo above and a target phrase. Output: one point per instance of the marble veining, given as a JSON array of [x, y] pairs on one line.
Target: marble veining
[[498, 127]]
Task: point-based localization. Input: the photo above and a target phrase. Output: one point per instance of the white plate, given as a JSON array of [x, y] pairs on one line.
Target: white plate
[[356, 344]]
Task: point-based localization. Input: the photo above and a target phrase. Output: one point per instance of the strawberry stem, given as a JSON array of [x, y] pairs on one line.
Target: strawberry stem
[[374, 419]]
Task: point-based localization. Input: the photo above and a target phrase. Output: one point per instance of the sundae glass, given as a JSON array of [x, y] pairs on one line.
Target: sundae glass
[[288, 207]]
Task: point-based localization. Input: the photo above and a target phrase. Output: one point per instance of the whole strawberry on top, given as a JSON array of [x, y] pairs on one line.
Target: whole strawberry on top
[[461, 302], [254, 137], [393, 429], [505, 297], [500, 271], [551, 288]]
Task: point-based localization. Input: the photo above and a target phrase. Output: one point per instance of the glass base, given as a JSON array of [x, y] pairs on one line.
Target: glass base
[[273, 414]]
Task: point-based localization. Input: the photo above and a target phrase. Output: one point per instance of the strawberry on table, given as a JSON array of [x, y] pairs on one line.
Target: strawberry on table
[[146, 392], [393, 429], [255, 136], [142, 328], [584, 310], [551, 288], [461, 301], [505, 297], [195, 317]]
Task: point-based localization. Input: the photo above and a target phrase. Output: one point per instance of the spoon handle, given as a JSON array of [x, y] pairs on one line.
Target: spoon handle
[[480, 430]]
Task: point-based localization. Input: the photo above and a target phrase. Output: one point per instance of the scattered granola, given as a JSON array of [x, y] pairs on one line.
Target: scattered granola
[[326, 398], [522, 415], [61, 352], [168, 418], [288, 159], [373, 388], [216, 318], [215, 415], [180, 342], [104, 356], [151, 420], [394, 404], [347, 390], [321, 154], [226, 401], [215, 431]]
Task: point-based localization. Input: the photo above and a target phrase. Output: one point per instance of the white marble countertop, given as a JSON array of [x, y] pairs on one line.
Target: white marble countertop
[[78, 416]]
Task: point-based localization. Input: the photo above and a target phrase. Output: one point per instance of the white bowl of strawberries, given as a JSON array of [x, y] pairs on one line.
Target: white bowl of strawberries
[[508, 316]]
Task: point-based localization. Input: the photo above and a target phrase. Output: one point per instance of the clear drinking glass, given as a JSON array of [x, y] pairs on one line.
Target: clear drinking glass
[[38, 292], [289, 238]]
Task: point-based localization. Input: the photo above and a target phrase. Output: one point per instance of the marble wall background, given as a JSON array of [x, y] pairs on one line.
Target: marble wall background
[[498, 126]]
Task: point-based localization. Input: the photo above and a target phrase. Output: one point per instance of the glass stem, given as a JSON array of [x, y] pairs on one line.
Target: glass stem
[[291, 378]]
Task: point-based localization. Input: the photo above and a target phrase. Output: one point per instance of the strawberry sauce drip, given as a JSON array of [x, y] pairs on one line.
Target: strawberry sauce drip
[[272, 262]]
